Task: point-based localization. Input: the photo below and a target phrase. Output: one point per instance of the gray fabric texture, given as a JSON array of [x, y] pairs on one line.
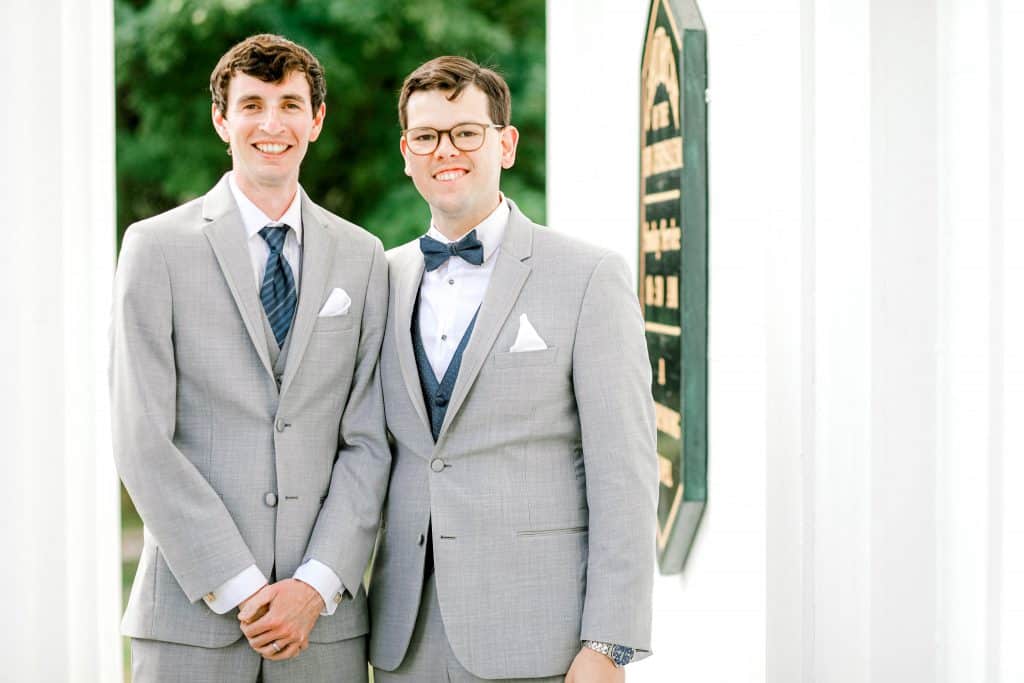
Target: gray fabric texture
[[202, 432], [541, 490]]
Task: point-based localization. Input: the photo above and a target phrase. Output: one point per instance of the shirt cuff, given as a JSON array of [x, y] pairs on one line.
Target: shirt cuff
[[325, 581], [229, 594]]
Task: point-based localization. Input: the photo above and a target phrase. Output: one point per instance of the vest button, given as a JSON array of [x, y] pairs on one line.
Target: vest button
[[440, 400], [437, 464], [270, 498]]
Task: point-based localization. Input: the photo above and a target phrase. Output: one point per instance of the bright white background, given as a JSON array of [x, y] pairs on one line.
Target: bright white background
[[866, 257]]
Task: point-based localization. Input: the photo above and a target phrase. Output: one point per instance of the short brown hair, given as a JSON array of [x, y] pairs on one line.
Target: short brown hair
[[453, 75], [269, 58]]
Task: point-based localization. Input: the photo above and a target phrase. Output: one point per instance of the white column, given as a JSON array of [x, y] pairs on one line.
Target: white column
[[1009, 109], [709, 622], [61, 567]]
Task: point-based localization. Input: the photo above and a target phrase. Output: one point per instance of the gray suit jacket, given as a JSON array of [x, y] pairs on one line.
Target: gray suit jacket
[[542, 486], [202, 432]]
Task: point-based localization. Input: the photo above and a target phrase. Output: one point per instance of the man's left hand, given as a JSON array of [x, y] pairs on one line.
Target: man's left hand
[[593, 667], [292, 611]]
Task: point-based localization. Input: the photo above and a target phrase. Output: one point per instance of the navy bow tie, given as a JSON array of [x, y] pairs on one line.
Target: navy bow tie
[[435, 253]]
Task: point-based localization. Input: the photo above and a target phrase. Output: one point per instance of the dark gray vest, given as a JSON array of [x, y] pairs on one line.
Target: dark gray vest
[[437, 394]]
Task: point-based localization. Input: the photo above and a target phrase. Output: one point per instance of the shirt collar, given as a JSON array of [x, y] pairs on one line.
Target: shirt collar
[[255, 220], [489, 231]]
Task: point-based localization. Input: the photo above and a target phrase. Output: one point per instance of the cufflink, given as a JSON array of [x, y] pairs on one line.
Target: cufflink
[[338, 597], [210, 597]]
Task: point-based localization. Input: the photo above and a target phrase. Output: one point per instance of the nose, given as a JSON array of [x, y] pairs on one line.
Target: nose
[[445, 146], [271, 124]]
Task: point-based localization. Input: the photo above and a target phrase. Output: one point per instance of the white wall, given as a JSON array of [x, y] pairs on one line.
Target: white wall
[[61, 568], [867, 261]]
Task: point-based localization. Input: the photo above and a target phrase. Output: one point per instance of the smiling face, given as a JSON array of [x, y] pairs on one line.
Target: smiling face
[[269, 127], [460, 187]]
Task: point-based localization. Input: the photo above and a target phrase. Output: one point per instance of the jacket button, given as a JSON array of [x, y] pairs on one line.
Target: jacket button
[[281, 425], [421, 539], [270, 498], [437, 464]]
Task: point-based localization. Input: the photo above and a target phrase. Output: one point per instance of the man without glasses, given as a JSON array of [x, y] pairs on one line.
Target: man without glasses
[[248, 422], [518, 533]]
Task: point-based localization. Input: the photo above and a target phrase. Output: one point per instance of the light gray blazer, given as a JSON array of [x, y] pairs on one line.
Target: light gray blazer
[[202, 433], [542, 485]]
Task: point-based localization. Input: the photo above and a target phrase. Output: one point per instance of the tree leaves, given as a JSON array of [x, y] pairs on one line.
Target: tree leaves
[[168, 152]]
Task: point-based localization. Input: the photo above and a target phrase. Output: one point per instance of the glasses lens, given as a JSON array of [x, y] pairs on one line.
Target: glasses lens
[[468, 137], [421, 140]]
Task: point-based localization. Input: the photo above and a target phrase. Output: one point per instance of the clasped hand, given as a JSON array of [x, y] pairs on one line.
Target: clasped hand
[[277, 618]]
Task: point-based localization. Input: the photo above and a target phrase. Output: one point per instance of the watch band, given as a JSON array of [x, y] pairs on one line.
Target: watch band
[[620, 655]]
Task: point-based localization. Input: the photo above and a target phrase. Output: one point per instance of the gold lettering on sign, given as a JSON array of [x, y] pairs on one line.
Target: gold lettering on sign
[[654, 290], [672, 291], [668, 421], [661, 116], [666, 155], [665, 471], [661, 372], [660, 236]]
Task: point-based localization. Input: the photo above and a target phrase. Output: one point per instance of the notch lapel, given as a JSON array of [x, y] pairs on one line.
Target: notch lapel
[[406, 291], [318, 248], [226, 235], [510, 274]]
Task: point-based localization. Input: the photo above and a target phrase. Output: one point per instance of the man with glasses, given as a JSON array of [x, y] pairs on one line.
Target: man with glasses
[[518, 538]]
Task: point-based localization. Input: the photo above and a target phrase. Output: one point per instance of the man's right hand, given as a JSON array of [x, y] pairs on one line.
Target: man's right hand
[[260, 611]]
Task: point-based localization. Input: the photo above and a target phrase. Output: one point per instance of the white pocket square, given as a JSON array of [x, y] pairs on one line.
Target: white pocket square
[[527, 339], [337, 304]]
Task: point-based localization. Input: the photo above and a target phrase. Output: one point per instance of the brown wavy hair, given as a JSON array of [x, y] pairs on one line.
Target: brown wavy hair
[[271, 59], [453, 75]]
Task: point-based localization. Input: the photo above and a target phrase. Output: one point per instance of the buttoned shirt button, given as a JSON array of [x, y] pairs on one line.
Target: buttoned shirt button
[[421, 539], [280, 425], [451, 281], [437, 464], [270, 498], [444, 337]]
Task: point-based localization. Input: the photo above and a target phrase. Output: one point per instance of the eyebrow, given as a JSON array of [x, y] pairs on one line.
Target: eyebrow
[[291, 97]]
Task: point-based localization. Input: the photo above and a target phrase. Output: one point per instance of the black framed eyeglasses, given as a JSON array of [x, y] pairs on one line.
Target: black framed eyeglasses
[[466, 137]]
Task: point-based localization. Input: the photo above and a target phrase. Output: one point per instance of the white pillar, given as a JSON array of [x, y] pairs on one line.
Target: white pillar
[[864, 521], [61, 568]]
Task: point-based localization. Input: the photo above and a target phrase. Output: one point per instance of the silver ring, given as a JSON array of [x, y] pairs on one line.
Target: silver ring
[[277, 648]]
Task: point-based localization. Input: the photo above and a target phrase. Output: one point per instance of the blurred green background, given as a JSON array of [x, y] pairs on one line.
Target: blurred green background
[[168, 152]]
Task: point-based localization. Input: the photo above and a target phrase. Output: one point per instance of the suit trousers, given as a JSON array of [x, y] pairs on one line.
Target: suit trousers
[[155, 661], [430, 659]]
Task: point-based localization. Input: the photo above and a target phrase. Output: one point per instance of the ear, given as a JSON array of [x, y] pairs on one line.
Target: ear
[[318, 122], [509, 141], [220, 123], [405, 154]]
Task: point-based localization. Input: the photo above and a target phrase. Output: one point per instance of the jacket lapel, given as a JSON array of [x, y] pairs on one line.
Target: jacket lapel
[[510, 274], [226, 234], [318, 248], [407, 287]]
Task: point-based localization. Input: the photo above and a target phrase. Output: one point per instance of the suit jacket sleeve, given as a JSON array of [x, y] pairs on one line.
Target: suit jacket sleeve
[[346, 528], [194, 531], [612, 381]]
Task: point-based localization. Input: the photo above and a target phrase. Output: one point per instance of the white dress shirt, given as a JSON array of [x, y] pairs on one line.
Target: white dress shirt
[[229, 594], [451, 295]]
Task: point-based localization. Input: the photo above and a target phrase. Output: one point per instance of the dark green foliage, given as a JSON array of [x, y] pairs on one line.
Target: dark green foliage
[[168, 152]]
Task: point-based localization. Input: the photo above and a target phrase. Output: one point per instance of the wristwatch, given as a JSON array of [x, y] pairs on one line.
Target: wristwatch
[[619, 654]]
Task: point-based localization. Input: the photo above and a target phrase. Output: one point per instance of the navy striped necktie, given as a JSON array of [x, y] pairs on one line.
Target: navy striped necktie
[[278, 290]]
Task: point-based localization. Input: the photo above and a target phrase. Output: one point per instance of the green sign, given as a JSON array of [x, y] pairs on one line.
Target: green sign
[[674, 263]]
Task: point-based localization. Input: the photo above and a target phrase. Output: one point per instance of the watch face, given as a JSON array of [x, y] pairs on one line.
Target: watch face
[[622, 655]]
